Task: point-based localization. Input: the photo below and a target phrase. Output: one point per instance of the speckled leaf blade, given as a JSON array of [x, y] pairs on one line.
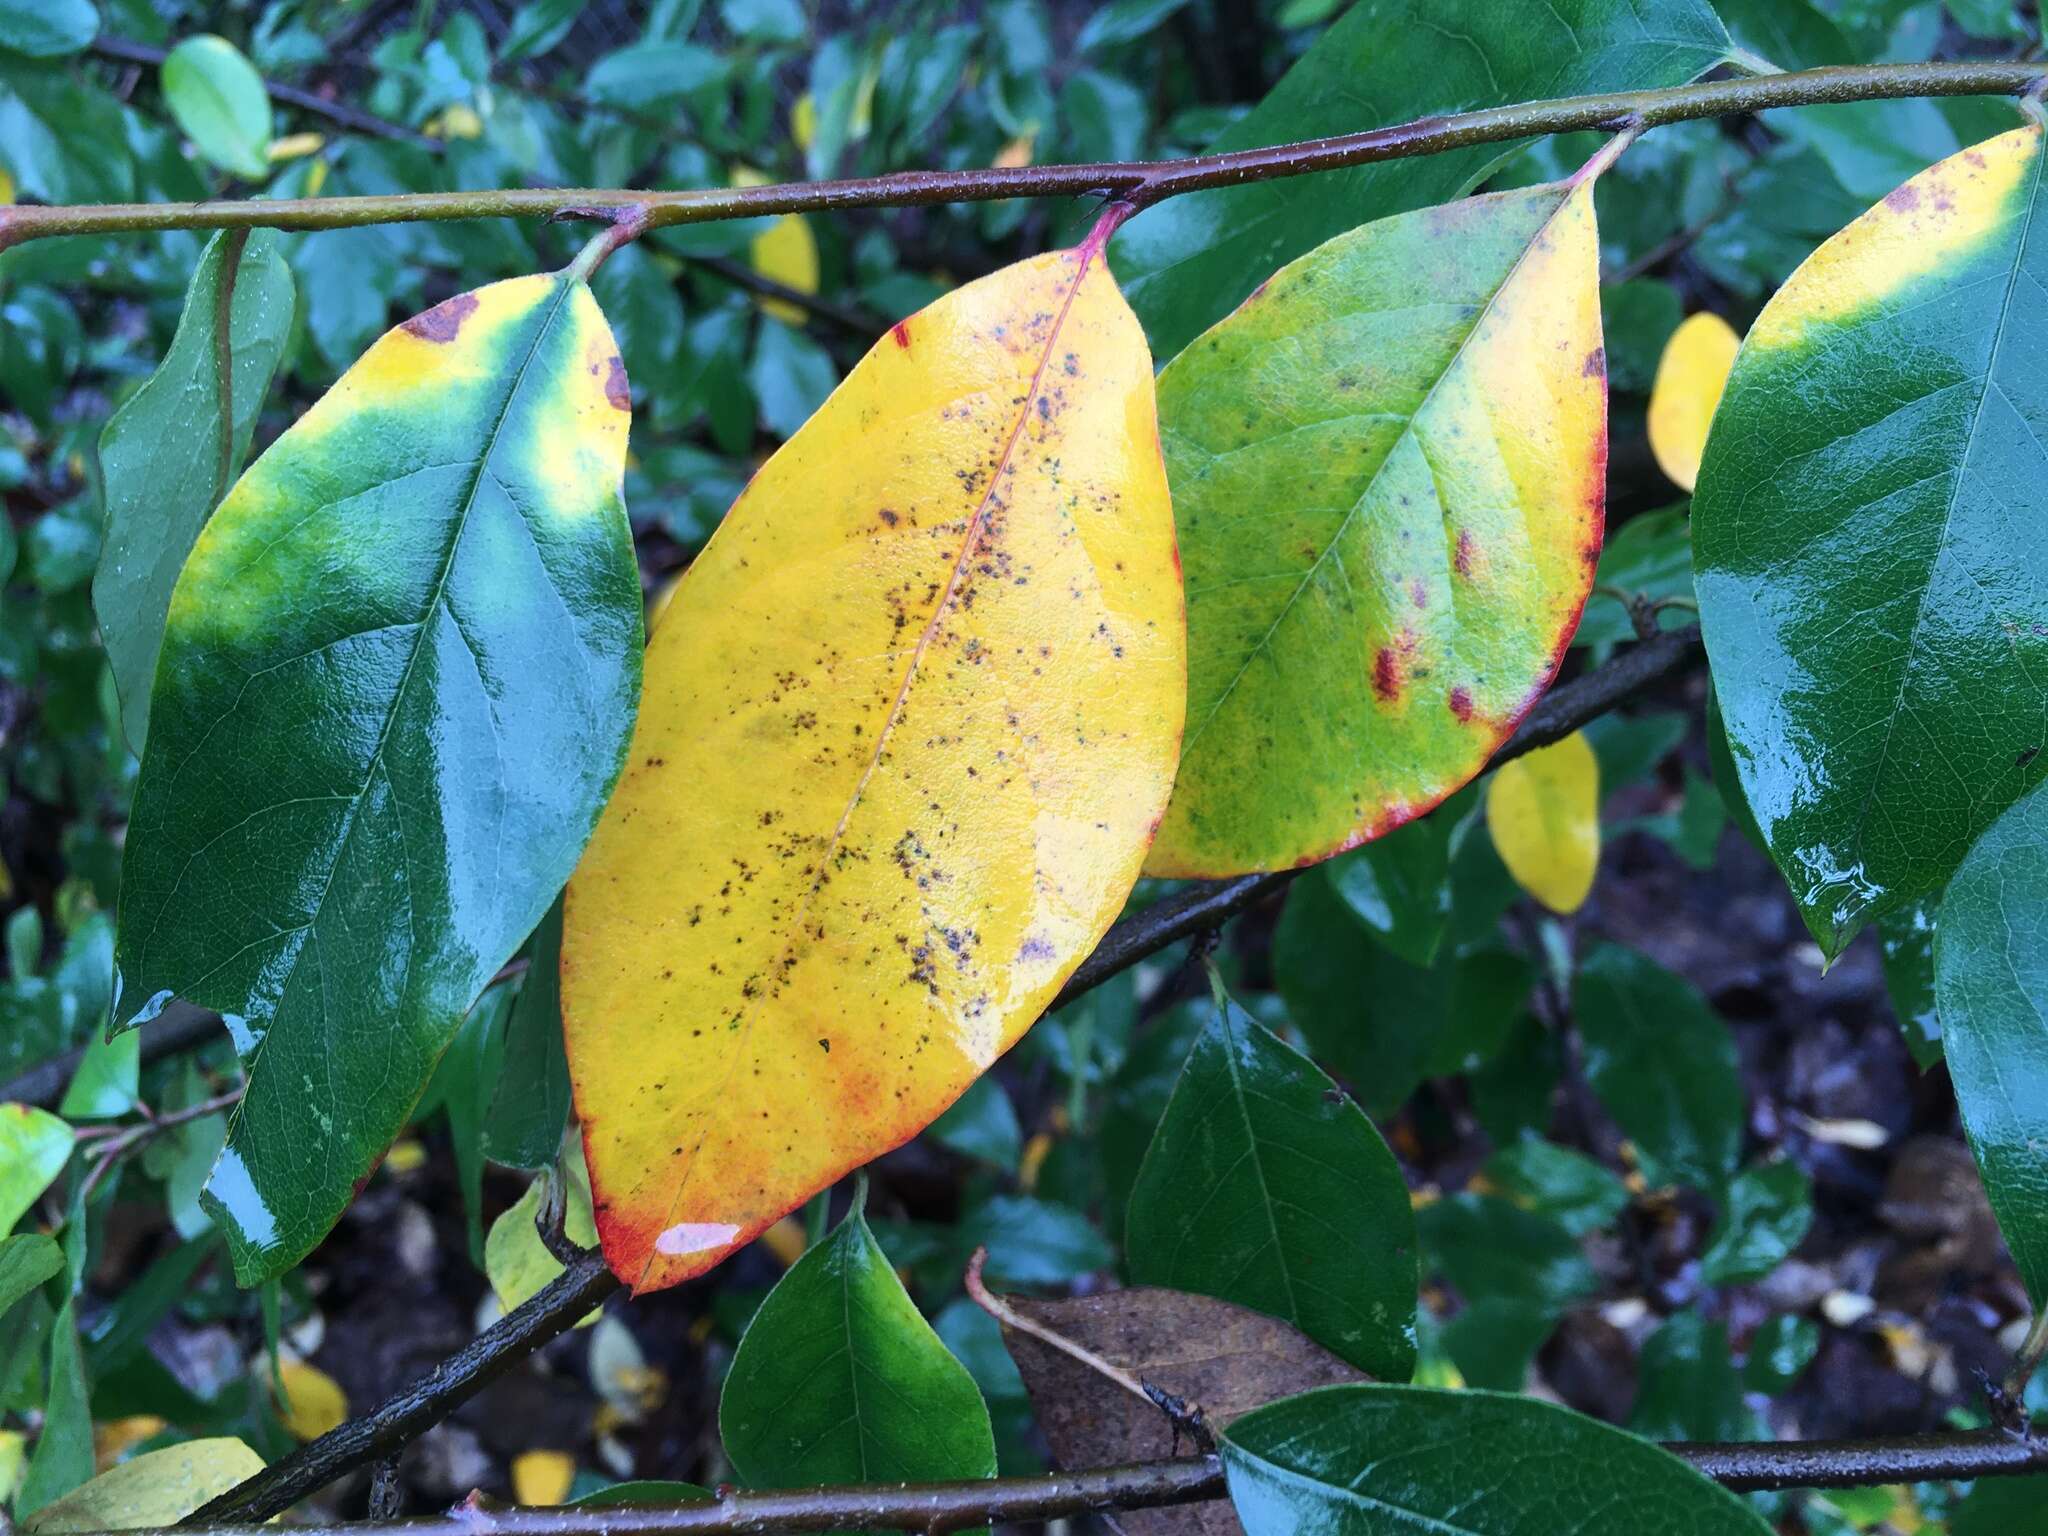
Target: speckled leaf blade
[[397, 683], [1388, 469], [909, 722], [168, 456], [1267, 1186], [840, 1380], [1366, 1459], [1991, 991], [1188, 260], [1872, 566]]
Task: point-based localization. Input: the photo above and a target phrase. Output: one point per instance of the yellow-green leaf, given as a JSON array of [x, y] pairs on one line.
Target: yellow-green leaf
[[33, 1146], [157, 1488], [907, 728], [516, 1261], [1389, 468], [1690, 377], [1543, 811]]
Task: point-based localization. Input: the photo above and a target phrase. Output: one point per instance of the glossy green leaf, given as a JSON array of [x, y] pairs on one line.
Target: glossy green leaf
[[1188, 261], [1492, 1250], [1906, 947], [1882, 712], [47, 29], [34, 1146], [1991, 988], [26, 1261], [1399, 887], [219, 100], [1388, 479], [169, 454], [529, 1105], [1778, 1351], [1267, 1186], [643, 1491], [1366, 1460], [1663, 1064], [839, 1380], [1768, 1211], [1687, 1387], [1543, 1176], [396, 687]]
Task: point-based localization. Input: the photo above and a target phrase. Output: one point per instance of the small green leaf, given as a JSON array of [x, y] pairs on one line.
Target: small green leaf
[[47, 29], [1650, 554], [1364, 1460], [516, 1261], [1688, 1387], [168, 457], [1778, 1351], [1543, 1176], [1265, 1185], [1123, 21], [981, 1124], [529, 1107], [220, 102], [1188, 261], [644, 1491], [1664, 1065], [1769, 1210], [1399, 887], [1906, 945], [1882, 712], [1491, 1250], [839, 1380], [26, 1261], [63, 1454], [397, 684], [157, 1488], [34, 1146], [1991, 987], [648, 75], [537, 27]]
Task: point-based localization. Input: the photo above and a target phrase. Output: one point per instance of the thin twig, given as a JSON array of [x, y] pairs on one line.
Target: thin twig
[[853, 321], [1139, 183], [106, 1153]]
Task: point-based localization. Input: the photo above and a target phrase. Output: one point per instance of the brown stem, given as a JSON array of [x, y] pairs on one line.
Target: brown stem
[[1140, 183]]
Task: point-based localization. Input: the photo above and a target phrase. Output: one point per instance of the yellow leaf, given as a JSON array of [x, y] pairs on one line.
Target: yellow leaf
[[516, 1261], [456, 122], [114, 1438], [803, 121], [406, 1156], [905, 733], [663, 595], [6, 186], [785, 1240], [316, 177], [155, 1489], [13, 1455], [1690, 377], [314, 1402], [787, 252], [294, 145], [1016, 154], [1543, 811], [1036, 1150], [542, 1477]]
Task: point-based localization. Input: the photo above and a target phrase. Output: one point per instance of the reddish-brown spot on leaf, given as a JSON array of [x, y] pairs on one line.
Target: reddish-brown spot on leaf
[[1387, 674], [1903, 199], [1595, 365], [444, 321], [1418, 593], [901, 331], [1463, 559], [616, 389], [1461, 703]]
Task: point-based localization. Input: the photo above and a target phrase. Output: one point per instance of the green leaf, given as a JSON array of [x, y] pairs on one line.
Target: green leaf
[[462, 1085], [63, 1454], [791, 377], [981, 1124], [1190, 260], [167, 457], [1769, 1210], [1030, 1242], [26, 1261], [764, 21], [516, 1261], [1492, 1341], [34, 1146], [157, 1488], [1991, 987], [1778, 1351], [1906, 946], [1492, 1250], [1361, 1460], [1543, 1176], [538, 27], [108, 1081], [1267, 1186], [529, 1107], [1687, 1384], [839, 1380], [644, 1491], [1650, 554], [47, 29], [1399, 887], [397, 684], [1664, 1065], [1361, 639], [648, 75], [1123, 21], [219, 101], [1882, 712], [45, 115]]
